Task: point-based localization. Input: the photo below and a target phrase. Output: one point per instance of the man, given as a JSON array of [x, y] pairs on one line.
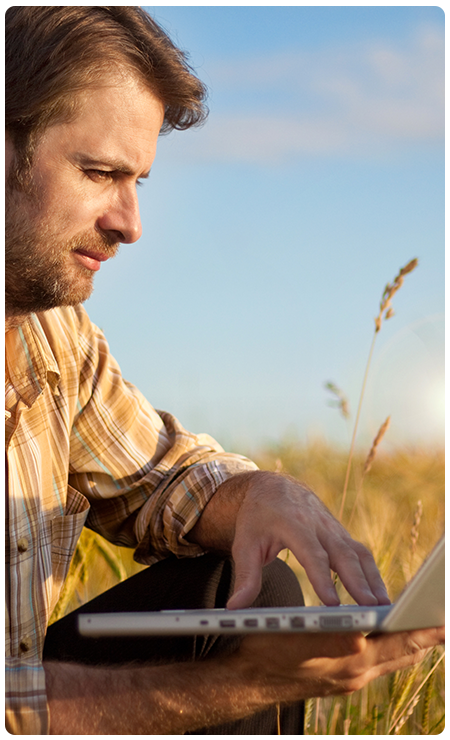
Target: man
[[89, 89]]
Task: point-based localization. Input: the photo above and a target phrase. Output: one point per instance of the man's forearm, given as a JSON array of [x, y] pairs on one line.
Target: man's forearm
[[174, 699], [136, 700]]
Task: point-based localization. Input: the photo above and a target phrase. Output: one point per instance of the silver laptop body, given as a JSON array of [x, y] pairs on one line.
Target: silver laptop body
[[421, 605]]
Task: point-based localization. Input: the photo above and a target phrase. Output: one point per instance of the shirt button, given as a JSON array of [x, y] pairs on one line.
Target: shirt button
[[22, 544], [25, 644]]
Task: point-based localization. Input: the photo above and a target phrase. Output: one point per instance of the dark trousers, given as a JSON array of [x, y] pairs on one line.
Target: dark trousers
[[191, 583]]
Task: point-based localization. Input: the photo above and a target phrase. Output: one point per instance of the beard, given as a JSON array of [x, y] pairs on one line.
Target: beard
[[40, 273]]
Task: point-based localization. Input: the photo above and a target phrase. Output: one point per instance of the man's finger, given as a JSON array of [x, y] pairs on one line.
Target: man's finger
[[372, 574], [357, 570], [248, 576], [314, 560]]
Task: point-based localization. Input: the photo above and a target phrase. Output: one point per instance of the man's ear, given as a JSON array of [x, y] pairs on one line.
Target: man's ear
[[9, 153]]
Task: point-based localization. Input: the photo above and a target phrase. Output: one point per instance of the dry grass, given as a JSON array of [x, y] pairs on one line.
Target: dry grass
[[400, 516], [389, 292], [385, 312], [389, 520], [375, 444]]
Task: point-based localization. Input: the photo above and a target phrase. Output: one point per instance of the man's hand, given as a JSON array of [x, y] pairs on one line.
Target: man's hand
[[256, 515], [332, 664]]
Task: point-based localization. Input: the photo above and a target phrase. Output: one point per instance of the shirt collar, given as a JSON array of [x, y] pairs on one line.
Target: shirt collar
[[30, 361]]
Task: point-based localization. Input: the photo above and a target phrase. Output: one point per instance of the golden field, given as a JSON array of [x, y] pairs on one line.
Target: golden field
[[399, 515]]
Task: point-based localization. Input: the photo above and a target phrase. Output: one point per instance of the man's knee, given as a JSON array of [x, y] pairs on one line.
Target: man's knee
[[280, 586], [205, 582]]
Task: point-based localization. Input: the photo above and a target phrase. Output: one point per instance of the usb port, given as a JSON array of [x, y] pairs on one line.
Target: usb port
[[298, 623], [227, 623], [250, 622], [272, 622]]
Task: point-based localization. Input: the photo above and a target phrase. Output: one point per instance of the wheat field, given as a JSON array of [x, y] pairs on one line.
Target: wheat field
[[399, 516]]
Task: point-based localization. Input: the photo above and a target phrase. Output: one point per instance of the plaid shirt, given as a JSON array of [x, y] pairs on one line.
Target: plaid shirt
[[84, 447]]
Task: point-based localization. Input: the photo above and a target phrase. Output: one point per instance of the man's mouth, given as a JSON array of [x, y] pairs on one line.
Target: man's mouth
[[90, 259]]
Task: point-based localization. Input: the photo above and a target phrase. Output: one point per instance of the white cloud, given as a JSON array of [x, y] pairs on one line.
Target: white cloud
[[361, 100]]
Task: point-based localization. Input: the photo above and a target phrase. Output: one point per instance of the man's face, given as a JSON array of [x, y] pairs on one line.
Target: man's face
[[83, 201]]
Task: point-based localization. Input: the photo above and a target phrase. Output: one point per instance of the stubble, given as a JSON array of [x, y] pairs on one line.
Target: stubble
[[40, 273]]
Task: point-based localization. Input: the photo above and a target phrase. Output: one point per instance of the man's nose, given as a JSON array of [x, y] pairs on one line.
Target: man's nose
[[122, 220]]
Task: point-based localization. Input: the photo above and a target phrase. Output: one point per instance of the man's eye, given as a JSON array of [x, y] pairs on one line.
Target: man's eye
[[99, 175]]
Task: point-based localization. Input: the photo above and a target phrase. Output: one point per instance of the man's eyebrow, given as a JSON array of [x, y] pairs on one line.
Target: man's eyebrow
[[117, 165]]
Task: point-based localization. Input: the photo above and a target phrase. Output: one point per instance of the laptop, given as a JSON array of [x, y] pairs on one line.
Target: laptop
[[421, 605]]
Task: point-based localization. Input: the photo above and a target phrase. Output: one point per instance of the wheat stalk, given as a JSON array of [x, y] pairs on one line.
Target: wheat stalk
[[427, 699], [393, 685], [334, 718], [374, 720], [389, 292], [308, 714], [373, 450], [386, 309], [414, 534], [347, 716], [398, 722], [415, 527], [406, 715], [403, 689], [316, 724], [369, 460], [341, 401]]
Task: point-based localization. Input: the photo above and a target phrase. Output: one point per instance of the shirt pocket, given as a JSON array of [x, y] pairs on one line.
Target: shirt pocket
[[66, 532]]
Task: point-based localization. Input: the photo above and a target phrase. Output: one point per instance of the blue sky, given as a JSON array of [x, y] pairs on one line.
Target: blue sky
[[270, 233]]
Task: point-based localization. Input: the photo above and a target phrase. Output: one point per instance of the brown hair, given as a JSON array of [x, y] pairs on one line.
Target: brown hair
[[55, 52]]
